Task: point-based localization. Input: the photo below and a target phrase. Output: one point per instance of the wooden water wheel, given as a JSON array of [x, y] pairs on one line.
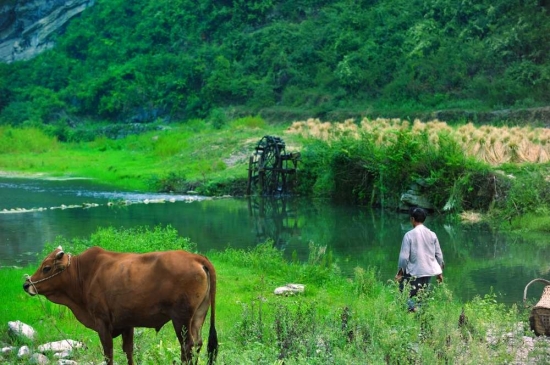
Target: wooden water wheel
[[271, 170]]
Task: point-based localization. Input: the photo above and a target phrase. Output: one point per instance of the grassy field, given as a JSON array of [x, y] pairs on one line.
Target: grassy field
[[338, 320], [194, 151]]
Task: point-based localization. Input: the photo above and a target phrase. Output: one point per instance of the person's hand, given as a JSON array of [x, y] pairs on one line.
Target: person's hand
[[399, 276], [440, 278]]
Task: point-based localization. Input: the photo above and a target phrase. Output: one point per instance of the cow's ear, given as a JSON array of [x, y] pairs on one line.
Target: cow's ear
[[59, 255]]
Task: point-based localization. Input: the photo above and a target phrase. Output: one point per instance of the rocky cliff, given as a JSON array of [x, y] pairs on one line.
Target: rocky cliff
[[27, 27]]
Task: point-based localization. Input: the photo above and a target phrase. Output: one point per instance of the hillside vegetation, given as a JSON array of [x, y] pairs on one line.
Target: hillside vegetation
[[142, 61]]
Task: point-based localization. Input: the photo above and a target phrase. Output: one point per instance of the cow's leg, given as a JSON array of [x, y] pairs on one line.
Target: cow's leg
[[106, 339], [128, 344], [195, 330], [186, 340], [198, 320]]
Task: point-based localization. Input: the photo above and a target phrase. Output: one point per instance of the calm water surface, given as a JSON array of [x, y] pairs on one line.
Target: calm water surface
[[479, 261]]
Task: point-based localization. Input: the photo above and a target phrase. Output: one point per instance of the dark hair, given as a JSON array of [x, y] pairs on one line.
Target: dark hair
[[418, 214]]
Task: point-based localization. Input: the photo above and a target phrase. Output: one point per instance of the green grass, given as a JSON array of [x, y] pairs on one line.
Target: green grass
[[338, 320], [195, 150], [31, 140], [537, 222]]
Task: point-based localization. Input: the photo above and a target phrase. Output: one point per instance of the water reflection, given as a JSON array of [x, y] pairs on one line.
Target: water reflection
[[478, 260], [274, 219]]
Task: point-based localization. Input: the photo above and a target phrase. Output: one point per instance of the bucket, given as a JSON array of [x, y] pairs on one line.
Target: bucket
[[539, 319]]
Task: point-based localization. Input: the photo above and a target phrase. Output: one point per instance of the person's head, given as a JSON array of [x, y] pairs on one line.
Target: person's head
[[418, 214]]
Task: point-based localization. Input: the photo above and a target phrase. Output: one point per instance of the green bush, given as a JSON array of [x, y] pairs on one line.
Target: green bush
[[138, 240], [218, 118], [26, 140], [173, 182], [364, 171], [529, 193]]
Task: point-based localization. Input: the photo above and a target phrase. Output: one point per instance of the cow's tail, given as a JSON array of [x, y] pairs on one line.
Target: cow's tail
[[213, 335]]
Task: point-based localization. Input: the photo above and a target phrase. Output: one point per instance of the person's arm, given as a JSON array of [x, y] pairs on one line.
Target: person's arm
[[439, 258], [438, 253], [404, 254]]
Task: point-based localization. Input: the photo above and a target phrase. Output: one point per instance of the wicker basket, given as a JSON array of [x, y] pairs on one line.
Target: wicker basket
[[539, 319]]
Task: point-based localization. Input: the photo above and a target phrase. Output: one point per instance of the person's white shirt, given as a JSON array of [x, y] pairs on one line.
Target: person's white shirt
[[421, 254]]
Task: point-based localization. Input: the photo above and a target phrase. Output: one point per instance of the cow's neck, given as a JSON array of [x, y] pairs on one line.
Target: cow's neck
[[72, 295]]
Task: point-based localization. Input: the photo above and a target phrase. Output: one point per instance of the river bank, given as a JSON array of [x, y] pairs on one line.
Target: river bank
[[39, 175]]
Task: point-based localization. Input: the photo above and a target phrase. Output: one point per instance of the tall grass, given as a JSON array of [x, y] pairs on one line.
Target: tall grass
[[29, 140], [490, 144], [377, 168], [338, 320]]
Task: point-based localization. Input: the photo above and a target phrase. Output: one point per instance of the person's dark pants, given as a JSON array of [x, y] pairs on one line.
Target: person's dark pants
[[416, 284]]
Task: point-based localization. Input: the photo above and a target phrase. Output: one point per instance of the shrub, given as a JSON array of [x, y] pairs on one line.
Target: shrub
[[25, 140], [217, 118], [173, 182], [139, 240]]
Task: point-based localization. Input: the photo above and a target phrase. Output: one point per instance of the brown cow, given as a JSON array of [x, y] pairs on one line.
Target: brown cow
[[112, 293]]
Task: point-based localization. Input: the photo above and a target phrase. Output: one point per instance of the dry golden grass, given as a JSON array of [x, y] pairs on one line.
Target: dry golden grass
[[494, 145], [471, 217]]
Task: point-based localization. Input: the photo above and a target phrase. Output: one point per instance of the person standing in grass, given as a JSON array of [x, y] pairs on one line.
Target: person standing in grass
[[420, 257]]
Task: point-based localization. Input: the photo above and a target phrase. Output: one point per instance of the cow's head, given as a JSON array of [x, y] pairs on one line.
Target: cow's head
[[45, 280]]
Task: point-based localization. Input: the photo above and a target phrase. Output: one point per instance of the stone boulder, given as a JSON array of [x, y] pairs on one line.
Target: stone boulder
[[39, 359], [289, 289], [60, 350], [20, 329], [414, 197], [60, 346]]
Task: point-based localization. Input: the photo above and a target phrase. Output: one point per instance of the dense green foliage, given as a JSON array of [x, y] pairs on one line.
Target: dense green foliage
[[175, 60], [448, 168], [338, 320], [362, 171]]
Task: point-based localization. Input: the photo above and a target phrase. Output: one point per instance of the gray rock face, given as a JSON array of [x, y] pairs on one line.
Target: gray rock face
[[27, 27], [415, 198]]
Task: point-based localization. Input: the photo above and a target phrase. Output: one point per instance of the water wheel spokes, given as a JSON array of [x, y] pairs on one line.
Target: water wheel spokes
[[267, 175]]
